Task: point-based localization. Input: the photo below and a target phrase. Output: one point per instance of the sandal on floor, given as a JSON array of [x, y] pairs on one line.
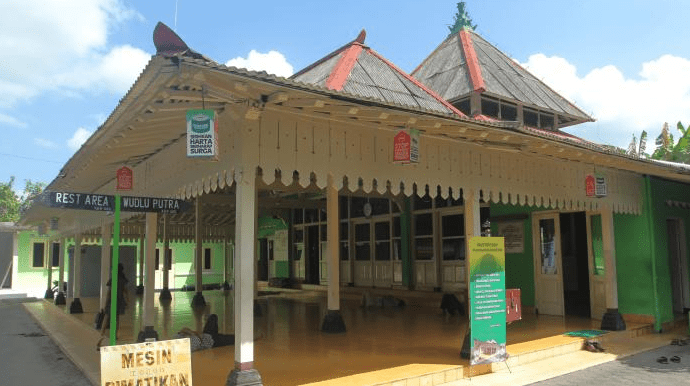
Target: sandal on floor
[[675, 342], [589, 346], [675, 359], [662, 360], [597, 346]]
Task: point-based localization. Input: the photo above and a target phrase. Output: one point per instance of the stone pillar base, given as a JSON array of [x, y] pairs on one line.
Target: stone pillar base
[[60, 299], [140, 290], [612, 320], [165, 295], [249, 377], [75, 307], [258, 311], [148, 333], [198, 300], [465, 350], [49, 294], [333, 322]]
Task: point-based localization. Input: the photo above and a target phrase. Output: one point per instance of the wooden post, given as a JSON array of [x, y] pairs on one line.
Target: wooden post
[[245, 228], [150, 279], [76, 307], [106, 237], [60, 298], [165, 292], [48, 259], [140, 287], [198, 300], [472, 229], [612, 319], [333, 321]]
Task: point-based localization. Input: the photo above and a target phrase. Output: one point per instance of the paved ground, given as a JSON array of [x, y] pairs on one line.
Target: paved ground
[[29, 357], [640, 369]]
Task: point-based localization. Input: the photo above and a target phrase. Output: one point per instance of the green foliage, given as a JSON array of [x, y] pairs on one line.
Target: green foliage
[[31, 191], [462, 20], [13, 206], [9, 202], [669, 150]]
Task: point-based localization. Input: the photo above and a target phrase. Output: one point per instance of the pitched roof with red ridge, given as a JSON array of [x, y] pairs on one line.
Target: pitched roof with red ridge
[[465, 63], [358, 70]]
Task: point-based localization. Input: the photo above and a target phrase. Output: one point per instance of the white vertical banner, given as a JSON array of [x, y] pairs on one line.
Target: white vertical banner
[[202, 133]]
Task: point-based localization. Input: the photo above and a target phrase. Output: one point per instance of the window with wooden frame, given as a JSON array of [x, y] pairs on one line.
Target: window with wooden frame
[[38, 260], [56, 255], [208, 259]]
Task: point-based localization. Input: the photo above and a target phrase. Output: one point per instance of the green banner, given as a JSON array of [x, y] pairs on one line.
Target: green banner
[[487, 264]]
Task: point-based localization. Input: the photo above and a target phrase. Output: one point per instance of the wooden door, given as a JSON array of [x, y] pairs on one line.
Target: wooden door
[[548, 268]]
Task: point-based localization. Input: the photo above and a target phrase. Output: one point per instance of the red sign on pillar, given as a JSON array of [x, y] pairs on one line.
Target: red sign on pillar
[[590, 186], [125, 180]]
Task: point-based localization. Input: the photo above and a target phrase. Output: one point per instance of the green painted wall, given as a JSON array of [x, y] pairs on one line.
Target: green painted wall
[[35, 280], [634, 264], [519, 266], [662, 191]]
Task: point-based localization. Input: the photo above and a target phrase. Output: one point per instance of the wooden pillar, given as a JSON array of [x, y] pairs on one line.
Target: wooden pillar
[[48, 259], [165, 292], [140, 287], [106, 237], [75, 307], [244, 372], [198, 300], [333, 321], [472, 229], [612, 319], [227, 266], [60, 297], [150, 278]]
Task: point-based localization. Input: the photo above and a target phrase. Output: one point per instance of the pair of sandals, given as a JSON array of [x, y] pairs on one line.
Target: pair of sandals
[[593, 346], [664, 360], [679, 342]]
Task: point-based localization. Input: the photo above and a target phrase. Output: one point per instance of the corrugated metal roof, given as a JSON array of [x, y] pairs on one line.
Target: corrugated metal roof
[[446, 72], [372, 76]]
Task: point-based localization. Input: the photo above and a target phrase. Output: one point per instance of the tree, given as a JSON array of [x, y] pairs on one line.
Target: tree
[[9, 202], [32, 190], [12, 206], [462, 20], [669, 150]]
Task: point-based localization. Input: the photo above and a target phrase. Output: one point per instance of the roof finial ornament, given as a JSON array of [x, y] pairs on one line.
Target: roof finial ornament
[[362, 35], [167, 42]]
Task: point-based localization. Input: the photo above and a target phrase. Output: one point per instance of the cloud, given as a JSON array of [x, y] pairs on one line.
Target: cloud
[[45, 143], [273, 62], [55, 45], [11, 121], [78, 138], [622, 106]]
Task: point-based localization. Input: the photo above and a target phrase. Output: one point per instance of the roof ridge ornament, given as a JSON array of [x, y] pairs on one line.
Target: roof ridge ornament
[[362, 35], [167, 42]]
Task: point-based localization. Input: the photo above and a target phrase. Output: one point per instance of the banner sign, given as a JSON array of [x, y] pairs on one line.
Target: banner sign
[[406, 146], [104, 202], [167, 362], [202, 133], [487, 300], [124, 178]]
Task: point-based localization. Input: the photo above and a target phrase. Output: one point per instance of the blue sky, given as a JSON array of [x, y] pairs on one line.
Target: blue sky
[[66, 64]]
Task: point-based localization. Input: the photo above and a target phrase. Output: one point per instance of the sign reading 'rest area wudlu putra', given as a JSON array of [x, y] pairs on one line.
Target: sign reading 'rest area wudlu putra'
[[487, 264], [202, 133], [105, 202], [166, 362]]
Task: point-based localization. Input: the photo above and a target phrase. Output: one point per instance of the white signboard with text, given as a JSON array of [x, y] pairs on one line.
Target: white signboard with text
[[167, 362]]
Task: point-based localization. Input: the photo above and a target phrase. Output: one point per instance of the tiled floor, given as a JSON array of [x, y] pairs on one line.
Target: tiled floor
[[289, 347]]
